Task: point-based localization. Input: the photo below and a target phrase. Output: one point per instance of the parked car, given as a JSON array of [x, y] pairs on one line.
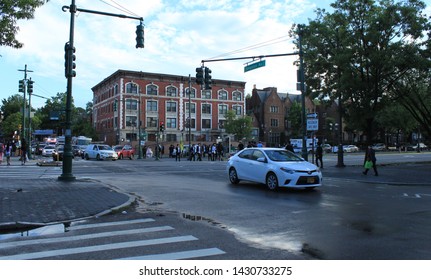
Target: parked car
[[125, 151], [351, 149], [414, 147], [58, 153], [274, 167], [100, 152], [379, 147], [48, 150], [327, 148]]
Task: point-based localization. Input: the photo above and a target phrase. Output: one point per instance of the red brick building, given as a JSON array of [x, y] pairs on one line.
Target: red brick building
[[125, 97]]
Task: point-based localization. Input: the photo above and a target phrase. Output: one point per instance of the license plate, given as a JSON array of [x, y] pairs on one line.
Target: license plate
[[310, 180]]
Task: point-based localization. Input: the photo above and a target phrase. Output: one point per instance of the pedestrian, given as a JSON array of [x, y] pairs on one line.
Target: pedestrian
[[8, 152], [370, 161], [319, 155], [178, 153], [23, 151], [289, 147], [2, 148], [240, 146], [149, 152]]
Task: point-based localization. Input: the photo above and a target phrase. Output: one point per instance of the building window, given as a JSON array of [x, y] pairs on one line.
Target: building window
[[237, 109], [171, 91], [221, 124], [131, 104], [222, 109], [131, 121], [206, 94], [222, 95], [206, 108], [273, 109], [236, 96], [152, 89], [116, 90], [151, 106], [193, 108], [274, 122], [171, 123], [131, 88], [171, 107], [193, 95], [171, 137], [190, 123], [151, 122], [206, 123]]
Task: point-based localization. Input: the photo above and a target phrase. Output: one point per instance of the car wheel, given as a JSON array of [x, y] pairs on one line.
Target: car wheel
[[271, 181], [233, 176], [98, 157], [87, 157], [121, 156], [131, 156]]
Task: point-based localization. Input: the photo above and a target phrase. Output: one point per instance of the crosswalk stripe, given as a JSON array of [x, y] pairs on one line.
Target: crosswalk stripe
[[82, 237], [180, 255], [96, 225], [89, 249]]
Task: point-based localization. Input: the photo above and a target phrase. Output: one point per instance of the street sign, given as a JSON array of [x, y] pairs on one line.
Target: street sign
[[312, 124], [254, 65], [312, 115]]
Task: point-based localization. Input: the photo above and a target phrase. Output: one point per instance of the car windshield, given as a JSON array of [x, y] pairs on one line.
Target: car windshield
[[105, 147], [118, 148], [282, 155]]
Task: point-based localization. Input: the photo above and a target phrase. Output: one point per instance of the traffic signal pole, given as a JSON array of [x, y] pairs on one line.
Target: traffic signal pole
[[66, 174]]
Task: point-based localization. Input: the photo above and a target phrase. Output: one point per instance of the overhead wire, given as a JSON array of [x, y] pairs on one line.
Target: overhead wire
[[119, 7], [255, 46]]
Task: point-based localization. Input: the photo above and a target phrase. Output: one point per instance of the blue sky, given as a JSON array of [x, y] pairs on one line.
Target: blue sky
[[178, 35]]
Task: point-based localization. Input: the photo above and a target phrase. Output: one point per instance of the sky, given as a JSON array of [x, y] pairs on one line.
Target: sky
[[179, 34]]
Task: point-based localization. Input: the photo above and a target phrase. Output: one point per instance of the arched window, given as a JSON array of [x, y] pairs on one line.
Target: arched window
[[152, 89], [131, 88], [222, 95], [171, 91], [236, 96]]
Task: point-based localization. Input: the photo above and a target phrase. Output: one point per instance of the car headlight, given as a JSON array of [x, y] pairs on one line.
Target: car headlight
[[287, 170]]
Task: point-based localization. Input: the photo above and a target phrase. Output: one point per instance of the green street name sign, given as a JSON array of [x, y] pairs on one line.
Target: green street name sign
[[254, 65]]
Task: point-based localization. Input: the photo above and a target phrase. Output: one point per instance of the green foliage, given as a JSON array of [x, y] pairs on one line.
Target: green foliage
[[11, 11], [360, 51], [239, 126], [295, 120]]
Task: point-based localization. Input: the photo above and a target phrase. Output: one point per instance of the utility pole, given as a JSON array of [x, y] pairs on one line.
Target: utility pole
[[302, 86], [24, 134], [70, 73]]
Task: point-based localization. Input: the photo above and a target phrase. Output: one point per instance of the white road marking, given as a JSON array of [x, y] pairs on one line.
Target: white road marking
[[180, 255], [82, 237], [89, 249]]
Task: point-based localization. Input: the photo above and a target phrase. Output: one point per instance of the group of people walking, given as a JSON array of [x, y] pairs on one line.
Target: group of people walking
[[9, 150], [197, 152]]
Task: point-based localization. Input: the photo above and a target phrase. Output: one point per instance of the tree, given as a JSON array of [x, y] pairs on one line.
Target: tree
[[240, 126], [11, 105], [295, 121], [11, 11], [359, 52]]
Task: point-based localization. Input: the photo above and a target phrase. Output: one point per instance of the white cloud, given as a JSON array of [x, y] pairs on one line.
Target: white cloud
[[178, 35]]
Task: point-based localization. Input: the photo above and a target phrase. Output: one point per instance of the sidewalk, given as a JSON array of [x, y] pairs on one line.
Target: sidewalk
[[37, 202]]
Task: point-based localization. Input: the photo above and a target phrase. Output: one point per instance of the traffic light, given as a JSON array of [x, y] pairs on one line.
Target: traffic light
[[208, 81], [21, 85], [140, 36], [162, 127], [69, 60], [30, 86], [200, 76]]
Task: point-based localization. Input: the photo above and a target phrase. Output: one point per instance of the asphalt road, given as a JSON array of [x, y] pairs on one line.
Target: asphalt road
[[346, 219]]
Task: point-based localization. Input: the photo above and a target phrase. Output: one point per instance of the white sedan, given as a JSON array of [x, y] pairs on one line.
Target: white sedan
[[48, 150], [274, 167]]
